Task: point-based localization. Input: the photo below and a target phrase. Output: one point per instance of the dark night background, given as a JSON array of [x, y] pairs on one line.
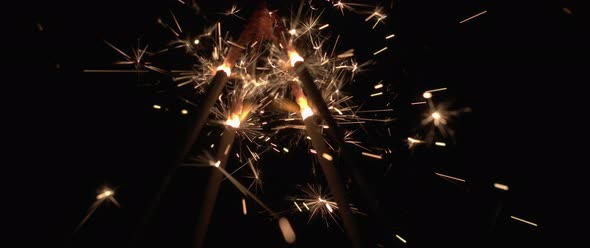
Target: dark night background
[[517, 67]]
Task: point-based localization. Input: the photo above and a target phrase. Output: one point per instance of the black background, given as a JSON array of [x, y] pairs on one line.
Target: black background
[[518, 67]]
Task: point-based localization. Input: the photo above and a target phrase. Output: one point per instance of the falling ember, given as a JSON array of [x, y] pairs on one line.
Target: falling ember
[[233, 121], [370, 155], [523, 221], [380, 50], [474, 16], [298, 208], [449, 177], [104, 194], [294, 57], [401, 239], [287, 230], [157, 106], [305, 205], [501, 186], [225, 68], [244, 208]]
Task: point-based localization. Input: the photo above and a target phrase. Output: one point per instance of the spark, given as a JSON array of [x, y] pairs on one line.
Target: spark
[[216, 164], [196, 41], [285, 149], [567, 10], [378, 86], [501, 186], [329, 208], [474, 16], [244, 208], [435, 90], [106, 193], [324, 26], [157, 106], [440, 143], [418, 103], [427, 95], [380, 50], [327, 156], [377, 94], [298, 208], [449, 177], [401, 239], [370, 155], [523, 221], [389, 36], [305, 205], [184, 112]]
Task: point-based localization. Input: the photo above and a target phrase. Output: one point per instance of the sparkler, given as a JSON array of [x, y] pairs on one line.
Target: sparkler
[[259, 67]]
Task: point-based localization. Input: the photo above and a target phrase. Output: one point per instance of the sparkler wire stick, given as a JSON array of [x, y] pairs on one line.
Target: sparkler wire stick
[[334, 182], [348, 158], [325, 159], [223, 152]]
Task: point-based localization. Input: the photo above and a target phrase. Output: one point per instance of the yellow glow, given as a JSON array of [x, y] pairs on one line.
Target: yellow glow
[[427, 95], [157, 106], [324, 26], [233, 121], [305, 109], [196, 41], [378, 86], [436, 115], [294, 57], [184, 111], [501, 186], [327, 156], [292, 32], [285, 149], [225, 68], [287, 230], [216, 164], [440, 143]]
